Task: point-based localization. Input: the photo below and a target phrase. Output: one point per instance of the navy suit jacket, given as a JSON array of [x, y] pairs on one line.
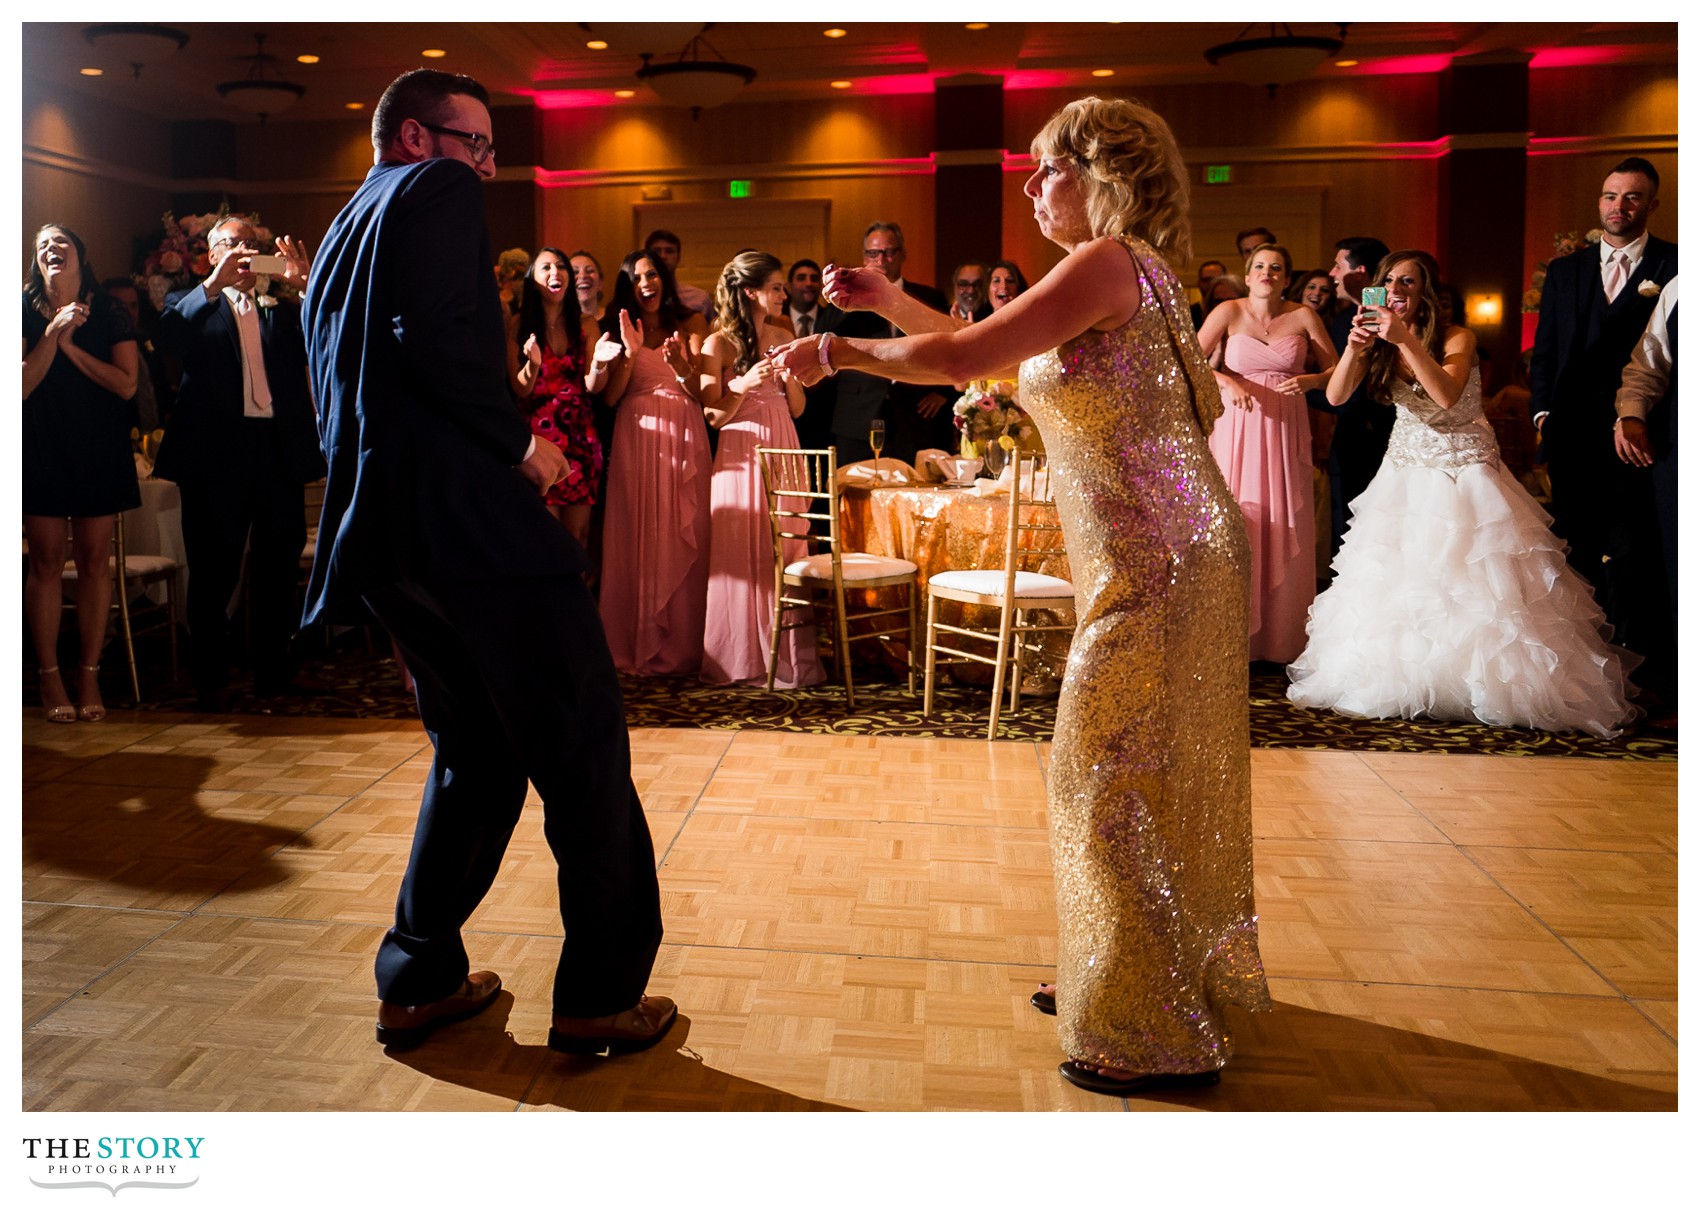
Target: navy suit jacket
[[861, 397], [205, 439], [1582, 344], [406, 349]]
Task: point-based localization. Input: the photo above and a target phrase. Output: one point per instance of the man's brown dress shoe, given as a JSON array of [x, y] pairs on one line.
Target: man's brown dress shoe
[[626, 1032], [402, 1027]]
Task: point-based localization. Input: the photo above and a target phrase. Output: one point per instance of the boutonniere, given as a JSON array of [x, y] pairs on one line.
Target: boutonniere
[[1649, 289], [265, 300]]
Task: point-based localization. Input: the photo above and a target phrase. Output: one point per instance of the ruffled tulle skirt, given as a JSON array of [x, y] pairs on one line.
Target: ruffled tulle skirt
[[1452, 600]]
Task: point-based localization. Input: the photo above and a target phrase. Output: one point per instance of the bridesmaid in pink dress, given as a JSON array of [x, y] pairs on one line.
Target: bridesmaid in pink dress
[[752, 406], [655, 531], [1264, 446]]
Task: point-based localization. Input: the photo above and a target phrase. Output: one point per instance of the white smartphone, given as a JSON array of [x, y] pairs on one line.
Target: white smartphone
[[267, 263]]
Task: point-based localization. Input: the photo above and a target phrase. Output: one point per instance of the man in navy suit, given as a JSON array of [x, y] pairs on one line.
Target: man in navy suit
[[434, 519], [1594, 307], [916, 416], [243, 440]]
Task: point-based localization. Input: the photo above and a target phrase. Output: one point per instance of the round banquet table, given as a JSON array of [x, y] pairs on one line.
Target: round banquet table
[[943, 527]]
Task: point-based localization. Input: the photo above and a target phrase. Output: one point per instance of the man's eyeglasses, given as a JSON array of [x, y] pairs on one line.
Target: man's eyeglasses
[[480, 147], [229, 241], [881, 254]]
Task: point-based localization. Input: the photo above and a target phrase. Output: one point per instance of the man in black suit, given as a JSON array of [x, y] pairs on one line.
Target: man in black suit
[[916, 415], [1361, 426], [434, 519], [243, 442], [811, 314], [1595, 305]]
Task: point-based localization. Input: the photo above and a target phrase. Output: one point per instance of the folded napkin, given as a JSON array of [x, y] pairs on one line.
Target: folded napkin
[[864, 475], [144, 466], [1033, 484], [928, 472]]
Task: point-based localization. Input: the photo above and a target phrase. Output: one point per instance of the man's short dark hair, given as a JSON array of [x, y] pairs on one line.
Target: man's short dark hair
[[662, 234], [799, 264], [1363, 252], [879, 225], [1254, 231], [423, 96], [1635, 164], [1221, 265]]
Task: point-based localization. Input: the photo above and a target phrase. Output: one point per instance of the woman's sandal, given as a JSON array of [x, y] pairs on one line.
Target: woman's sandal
[[1082, 1075], [1044, 1002], [62, 713], [92, 712]]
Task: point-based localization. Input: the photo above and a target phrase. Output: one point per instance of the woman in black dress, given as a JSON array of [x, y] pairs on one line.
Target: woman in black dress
[[79, 369]]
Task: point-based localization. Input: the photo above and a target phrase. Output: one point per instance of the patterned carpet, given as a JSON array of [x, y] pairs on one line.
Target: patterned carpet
[[352, 682]]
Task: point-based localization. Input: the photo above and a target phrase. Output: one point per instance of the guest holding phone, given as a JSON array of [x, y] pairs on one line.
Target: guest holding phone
[[1451, 597]]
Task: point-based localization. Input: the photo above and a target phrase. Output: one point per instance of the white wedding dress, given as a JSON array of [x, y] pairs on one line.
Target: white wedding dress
[[1451, 597]]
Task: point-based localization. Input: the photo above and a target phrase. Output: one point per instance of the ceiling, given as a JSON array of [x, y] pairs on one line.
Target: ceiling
[[549, 61]]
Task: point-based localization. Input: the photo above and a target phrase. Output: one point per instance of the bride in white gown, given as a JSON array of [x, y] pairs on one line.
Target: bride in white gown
[[1451, 596]]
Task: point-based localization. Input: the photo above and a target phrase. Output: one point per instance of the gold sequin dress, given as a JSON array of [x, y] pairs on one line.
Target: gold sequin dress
[[1150, 779]]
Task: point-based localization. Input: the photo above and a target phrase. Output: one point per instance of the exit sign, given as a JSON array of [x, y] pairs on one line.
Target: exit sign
[[1218, 174], [737, 189]]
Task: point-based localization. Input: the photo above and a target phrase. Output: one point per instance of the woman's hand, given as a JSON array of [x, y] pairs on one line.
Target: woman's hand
[[678, 357], [66, 321], [753, 378], [296, 263], [1235, 392], [858, 289], [631, 337], [1293, 385], [606, 351], [800, 360], [1382, 322], [533, 352]]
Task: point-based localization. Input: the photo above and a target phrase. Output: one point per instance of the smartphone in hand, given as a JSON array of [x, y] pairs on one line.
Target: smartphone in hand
[[1373, 296], [267, 263]]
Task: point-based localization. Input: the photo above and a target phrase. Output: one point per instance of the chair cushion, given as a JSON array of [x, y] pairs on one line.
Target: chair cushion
[[858, 566], [990, 581]]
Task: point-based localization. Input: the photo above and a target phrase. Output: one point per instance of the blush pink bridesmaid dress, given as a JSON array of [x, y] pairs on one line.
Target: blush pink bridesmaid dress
[[1265, 456]]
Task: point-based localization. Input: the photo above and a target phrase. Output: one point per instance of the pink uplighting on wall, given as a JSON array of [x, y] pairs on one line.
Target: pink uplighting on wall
[[577, 98], [1579, 56], [1403, 65]]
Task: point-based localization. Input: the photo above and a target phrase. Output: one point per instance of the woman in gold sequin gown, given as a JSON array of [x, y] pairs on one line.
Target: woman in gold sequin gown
[[1150, 790]]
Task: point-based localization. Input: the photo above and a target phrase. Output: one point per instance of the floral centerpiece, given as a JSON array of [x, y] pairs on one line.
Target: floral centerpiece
[[1563, 244], [182, 259], [990, 410]]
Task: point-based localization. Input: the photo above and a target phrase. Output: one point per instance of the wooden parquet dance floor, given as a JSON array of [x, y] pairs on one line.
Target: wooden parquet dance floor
[[852, 923]]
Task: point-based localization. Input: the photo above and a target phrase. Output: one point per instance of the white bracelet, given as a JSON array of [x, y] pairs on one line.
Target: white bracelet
[[825, 356]]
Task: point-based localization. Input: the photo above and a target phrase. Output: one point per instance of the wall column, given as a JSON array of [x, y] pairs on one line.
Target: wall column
[[968, 179], [1484, 110]]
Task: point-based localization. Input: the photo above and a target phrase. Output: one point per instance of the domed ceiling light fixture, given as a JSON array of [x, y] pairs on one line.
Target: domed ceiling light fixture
[[258, 93], [139, 45], [696, 82], [1279, 58]]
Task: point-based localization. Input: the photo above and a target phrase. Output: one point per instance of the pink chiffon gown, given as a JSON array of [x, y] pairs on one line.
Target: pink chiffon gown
[[655, 531], [740, 562], [1265, 456]]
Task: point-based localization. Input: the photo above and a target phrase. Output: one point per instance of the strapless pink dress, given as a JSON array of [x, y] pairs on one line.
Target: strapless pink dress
[[1265, 456], [739, 632], [655, 532]]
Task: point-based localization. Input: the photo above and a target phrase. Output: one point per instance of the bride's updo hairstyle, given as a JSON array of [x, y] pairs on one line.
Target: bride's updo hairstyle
[[1384, 361], [1131, 167]]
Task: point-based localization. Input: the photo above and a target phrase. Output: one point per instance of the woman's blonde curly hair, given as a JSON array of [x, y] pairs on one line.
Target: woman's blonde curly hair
[[1135, 178]]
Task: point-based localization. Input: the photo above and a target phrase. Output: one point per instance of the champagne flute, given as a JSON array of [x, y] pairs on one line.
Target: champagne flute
[[876, 439]]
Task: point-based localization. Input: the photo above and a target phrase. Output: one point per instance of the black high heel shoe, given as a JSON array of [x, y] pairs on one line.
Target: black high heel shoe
[[1045, 1004], [1088, 1079]]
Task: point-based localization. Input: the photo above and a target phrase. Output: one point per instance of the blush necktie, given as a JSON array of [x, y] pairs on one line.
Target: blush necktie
[[1617, 273], [805, 326]]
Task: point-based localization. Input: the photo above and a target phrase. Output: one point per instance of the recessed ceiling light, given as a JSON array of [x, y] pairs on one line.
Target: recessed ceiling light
[[1345, 63], [1103, 71], [841, 84], [353, 105], [306, 58], [92, 71], [976, 24], [625, 92], [835, 32], [596, 44], [433, 54]]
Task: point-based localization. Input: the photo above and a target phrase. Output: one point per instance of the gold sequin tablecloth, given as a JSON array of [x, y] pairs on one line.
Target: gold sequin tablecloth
[[941, 528]]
